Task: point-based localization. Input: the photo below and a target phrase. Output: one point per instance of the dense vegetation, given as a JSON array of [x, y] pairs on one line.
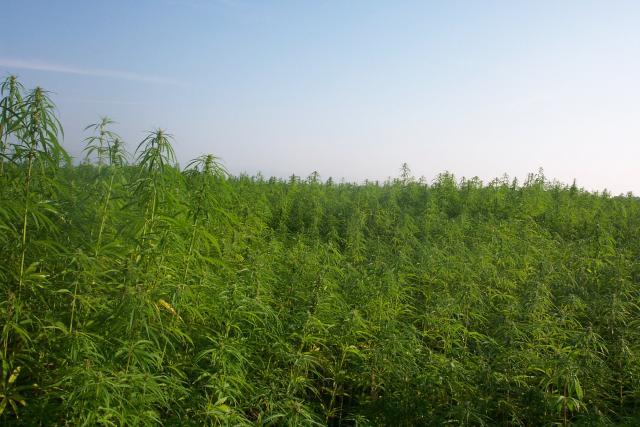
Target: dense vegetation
[[133, 292]]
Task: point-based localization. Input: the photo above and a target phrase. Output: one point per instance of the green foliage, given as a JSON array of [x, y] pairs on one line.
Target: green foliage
[[140, 294]]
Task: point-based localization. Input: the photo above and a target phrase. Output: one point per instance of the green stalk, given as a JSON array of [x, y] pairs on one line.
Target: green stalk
[[25, 218], [192, 242], [3, 143], [104, 215], [153, 210], [147, 228], [73, 306], [191, 245]]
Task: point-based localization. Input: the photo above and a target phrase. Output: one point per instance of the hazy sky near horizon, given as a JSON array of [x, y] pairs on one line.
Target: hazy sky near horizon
[[349, 88]]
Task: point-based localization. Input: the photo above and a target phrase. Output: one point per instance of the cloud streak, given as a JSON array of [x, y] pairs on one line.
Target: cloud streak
[[25, 64]]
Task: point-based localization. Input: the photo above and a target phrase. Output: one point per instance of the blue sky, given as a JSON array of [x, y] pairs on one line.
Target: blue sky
[[349, 88]]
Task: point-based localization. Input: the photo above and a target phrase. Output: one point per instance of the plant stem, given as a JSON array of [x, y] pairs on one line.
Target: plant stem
[[25, 219], [104, 215]]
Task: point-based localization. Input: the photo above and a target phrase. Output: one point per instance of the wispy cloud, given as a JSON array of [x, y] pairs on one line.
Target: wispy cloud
[[28, 64], [204, 2], [73, 100]]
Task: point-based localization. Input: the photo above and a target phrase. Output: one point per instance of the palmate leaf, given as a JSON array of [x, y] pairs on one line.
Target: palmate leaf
[[42, 127], [155, 153], [9, 391], [104, 143], [34, 275]]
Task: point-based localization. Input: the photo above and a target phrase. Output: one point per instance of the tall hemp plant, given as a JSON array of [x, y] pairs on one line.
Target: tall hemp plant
[[33, 218], [107, 148], [11, 103], [206, 174]]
